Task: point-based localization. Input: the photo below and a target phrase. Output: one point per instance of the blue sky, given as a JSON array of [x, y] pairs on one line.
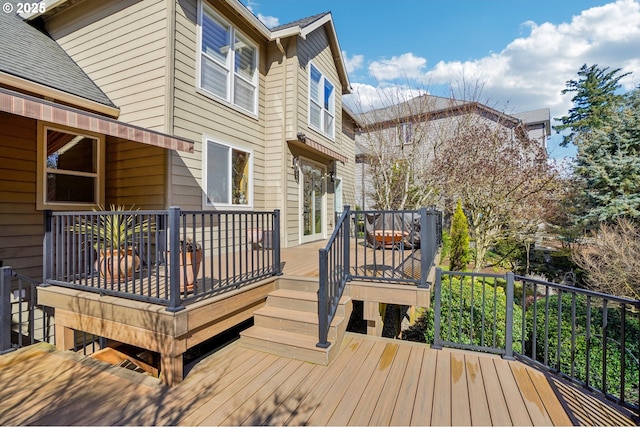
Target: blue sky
[[514, 55]]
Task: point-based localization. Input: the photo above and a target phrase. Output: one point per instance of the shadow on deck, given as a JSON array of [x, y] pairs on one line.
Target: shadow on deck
[[373, 381]]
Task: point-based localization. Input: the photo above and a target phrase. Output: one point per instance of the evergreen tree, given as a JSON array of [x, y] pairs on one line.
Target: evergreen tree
[[459, 240], [605, 128], [594, 102], [608, 163]]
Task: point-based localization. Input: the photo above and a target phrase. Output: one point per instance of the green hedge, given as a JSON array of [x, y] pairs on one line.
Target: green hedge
[[573, 356]]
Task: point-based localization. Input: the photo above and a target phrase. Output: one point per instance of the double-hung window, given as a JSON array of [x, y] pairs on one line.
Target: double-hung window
[[228, 174], [70, 168], [321, 102], [228, 62]]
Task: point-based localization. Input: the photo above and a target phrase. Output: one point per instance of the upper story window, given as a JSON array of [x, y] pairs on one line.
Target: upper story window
[[228, 62], [70, 168], [227, 172], [321, 102]]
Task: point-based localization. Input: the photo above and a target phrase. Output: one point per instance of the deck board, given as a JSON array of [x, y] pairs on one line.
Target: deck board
[[372, 381], [460, 402], [369, 398], [423, 405], [495, 394], [442, 398], [403, 409], [389, 396], [478, 403]]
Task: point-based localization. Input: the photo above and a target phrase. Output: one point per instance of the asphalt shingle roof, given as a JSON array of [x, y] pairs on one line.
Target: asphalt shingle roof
[[301, 22], [27, 53]]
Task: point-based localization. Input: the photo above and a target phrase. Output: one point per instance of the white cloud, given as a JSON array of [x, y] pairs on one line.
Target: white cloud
[[531, 71], [404, 66], [367, 97], [269, 21], [354, 63]]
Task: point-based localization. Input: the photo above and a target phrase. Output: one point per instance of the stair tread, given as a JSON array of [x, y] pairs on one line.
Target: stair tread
[[295, 294], [283, 337], [288, 314]]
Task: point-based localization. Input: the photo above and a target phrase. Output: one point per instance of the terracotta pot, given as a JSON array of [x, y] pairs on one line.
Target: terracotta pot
[[189, 270], [114, 265]]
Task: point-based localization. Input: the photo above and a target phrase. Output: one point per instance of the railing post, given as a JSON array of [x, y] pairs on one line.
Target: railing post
[[174, 259], [509, 319], [323, 300], [5, 310], [47, 248], [437, 342], [276, 242], [425, 249], [346, 274]]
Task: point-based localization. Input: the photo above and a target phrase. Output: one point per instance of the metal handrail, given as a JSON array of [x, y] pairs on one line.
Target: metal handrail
[[334, 273], [557, 324]]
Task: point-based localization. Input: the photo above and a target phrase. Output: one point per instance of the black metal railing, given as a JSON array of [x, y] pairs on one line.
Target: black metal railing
[[587, 337], [166, 257], [334, 273], [22, 320], [405, 243], [403, 247]]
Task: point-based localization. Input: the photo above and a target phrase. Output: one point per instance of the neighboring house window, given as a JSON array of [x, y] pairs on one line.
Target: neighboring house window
[[228, 62], [69, 168], [228, 175], [405, 133], [321, 102]]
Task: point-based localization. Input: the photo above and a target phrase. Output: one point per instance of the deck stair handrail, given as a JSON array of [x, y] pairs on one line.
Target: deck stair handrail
[[22, 321], [587, 337], [334, 274], [156, 250]]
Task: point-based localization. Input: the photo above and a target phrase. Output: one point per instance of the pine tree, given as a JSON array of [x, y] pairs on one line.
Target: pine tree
[[594, 102], [459, 256], [608, 164]]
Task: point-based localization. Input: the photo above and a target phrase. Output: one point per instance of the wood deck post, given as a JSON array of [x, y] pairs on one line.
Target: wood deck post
[[371, 314], [171, 369], [65, 337]]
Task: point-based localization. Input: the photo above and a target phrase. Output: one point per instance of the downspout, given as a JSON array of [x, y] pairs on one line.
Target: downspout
[[280, 47], [283, 123], [170, 96]]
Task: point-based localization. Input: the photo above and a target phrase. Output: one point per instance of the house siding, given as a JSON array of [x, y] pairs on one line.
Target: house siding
[[122, 46], [135, 175], [20, 224], [196, 116]]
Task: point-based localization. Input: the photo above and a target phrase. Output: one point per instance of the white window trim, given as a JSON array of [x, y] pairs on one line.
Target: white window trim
[[41, 169], [323, 78], [205, 176], [230, 68]]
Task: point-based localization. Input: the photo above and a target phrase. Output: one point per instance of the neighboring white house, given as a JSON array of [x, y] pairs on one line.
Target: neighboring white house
[[420, 124]]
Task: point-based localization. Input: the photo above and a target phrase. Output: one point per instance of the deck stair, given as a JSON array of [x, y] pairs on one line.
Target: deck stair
[[288, 323]]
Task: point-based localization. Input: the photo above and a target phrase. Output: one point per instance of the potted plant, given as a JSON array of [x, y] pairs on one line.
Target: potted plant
[[112, 235], [190, 260]]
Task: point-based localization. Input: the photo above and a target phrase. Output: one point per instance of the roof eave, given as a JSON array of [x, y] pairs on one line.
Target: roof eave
[[326, 20], [253, 20]]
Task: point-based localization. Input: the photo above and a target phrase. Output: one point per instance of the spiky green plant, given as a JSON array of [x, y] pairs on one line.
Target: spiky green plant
[[112, 230]]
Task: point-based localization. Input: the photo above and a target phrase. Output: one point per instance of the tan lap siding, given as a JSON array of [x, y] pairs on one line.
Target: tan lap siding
[[121, 45], [197, 115], [135, 175], [21, 225]]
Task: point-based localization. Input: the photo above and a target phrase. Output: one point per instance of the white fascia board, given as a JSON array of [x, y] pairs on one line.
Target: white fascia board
[[48, 5], [246, 14]]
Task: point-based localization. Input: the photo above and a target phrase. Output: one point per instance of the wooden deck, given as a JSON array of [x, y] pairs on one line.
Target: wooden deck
[[374, 381]]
